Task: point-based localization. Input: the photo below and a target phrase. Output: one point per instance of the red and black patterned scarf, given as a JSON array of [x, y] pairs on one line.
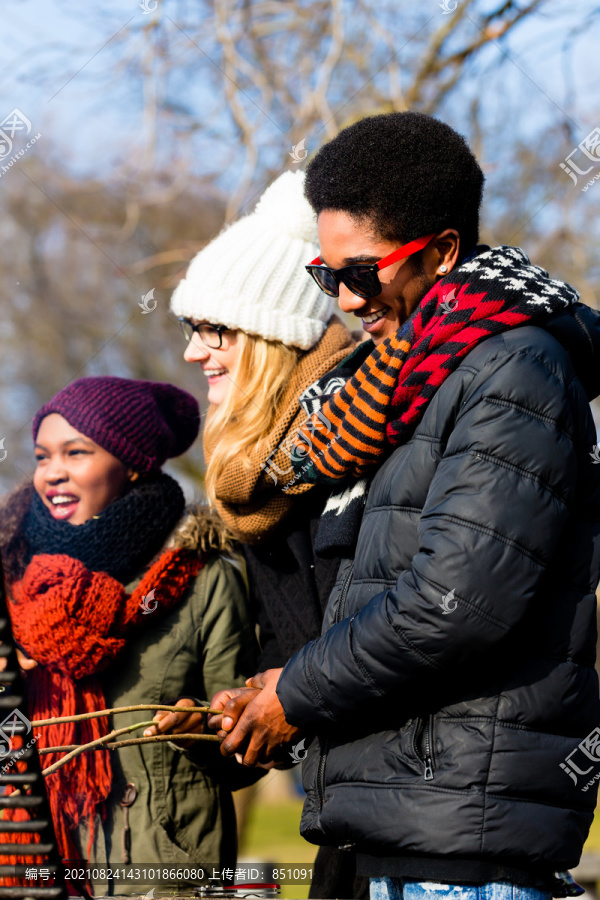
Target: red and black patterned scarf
[[379, 407]]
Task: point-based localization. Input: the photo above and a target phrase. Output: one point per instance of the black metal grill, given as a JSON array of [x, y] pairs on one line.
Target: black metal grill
[[12, 698]]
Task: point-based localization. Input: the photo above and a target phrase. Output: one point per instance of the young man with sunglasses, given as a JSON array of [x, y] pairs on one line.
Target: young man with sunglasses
[[452, 697]]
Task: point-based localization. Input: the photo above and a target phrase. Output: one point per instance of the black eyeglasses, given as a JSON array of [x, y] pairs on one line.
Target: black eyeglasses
[[361, 278], [210, 335]]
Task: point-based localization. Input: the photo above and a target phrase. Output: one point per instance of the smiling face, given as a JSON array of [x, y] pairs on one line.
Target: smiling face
[[344, 240], [216, 364], [75, 478]]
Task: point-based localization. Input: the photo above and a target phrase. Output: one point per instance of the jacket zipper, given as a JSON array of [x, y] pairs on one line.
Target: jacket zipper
[[339, 615], [425, 739]]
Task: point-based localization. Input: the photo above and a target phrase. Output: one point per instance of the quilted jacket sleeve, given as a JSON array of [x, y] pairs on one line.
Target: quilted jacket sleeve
[[226, 650], [495, 512]]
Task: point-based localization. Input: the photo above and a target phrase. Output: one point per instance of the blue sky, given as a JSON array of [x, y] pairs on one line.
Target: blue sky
[[59, 70], [83, 110]]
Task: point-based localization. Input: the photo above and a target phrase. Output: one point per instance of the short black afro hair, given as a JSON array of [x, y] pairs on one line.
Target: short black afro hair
[[407, 173]]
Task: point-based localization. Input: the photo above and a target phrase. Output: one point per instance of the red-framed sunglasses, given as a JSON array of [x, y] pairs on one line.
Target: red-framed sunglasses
[[361, 278]]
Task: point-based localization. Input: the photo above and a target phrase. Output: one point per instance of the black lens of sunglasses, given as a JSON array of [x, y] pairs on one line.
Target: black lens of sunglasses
[[325, 280], [361, 280]]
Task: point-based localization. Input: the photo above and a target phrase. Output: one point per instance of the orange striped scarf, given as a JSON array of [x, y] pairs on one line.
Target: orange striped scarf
[[381, 404]]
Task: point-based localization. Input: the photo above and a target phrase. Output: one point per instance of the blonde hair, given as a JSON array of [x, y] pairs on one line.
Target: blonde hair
[[242, 422]]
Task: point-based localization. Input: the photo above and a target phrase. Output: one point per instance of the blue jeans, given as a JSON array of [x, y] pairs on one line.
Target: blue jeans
[[393, 889]]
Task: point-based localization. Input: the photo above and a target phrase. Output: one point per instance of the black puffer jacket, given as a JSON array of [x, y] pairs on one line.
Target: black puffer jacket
[[455, 675]]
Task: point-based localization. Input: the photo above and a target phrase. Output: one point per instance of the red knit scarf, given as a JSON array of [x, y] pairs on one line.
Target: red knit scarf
[[74, 623], [385, 399]]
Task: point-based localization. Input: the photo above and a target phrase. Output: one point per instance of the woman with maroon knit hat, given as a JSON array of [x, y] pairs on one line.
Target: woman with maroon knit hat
[[120, 597]]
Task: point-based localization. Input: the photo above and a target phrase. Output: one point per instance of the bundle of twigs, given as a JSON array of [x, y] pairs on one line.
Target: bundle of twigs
[[107, 742]]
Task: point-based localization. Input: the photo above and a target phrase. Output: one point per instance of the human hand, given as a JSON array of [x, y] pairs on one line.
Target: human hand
[[233, 702], [261, 732], [177, 723], [25, 661]]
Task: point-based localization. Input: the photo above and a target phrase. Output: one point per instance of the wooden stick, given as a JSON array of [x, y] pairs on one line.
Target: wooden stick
[[115, 745], [56, 720], [97, 743]]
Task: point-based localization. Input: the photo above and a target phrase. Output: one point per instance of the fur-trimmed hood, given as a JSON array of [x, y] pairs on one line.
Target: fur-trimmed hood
[[201, 529]]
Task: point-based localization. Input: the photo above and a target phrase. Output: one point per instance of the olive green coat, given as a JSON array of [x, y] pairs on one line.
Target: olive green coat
[[183, 810]]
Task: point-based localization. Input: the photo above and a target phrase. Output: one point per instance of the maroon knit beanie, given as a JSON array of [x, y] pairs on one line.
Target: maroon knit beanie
[[142, 423]]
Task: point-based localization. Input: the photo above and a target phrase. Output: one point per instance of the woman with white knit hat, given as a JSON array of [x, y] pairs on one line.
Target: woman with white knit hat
[[253, 274], [263, 332]]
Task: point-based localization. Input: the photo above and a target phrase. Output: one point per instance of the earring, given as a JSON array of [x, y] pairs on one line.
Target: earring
[[134, 476], [443, 268]]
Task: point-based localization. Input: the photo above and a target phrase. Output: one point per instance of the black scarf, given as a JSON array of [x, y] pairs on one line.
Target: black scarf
[[122, 539]]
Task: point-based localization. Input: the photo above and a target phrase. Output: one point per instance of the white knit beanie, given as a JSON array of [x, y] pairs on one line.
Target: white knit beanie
[[252, 275]]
